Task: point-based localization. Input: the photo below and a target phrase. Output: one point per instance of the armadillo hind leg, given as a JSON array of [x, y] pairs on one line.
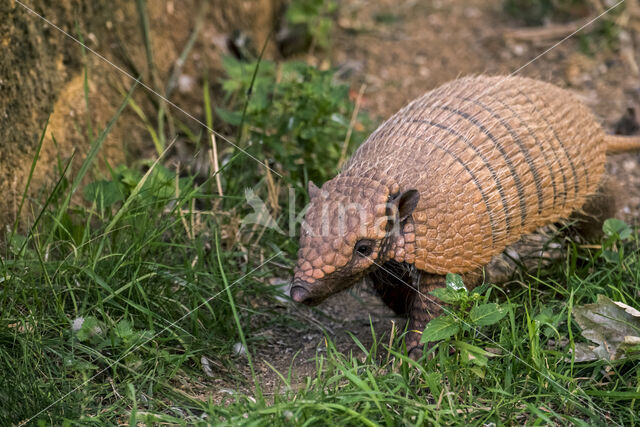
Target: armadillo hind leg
[[535, 250]]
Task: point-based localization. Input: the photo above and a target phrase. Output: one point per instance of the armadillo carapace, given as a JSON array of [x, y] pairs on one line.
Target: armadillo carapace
[[445, 185]]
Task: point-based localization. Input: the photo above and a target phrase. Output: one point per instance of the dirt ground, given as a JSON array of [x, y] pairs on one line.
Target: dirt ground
[[399, 51], [42, 77]]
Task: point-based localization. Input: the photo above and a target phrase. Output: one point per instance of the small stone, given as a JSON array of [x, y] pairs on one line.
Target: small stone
[[206, 367], [519, 49], [630, 165], [185, 83], [239, 349]]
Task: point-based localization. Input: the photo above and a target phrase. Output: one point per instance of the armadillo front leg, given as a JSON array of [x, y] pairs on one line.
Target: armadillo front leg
[[424, 307], [406, 291]]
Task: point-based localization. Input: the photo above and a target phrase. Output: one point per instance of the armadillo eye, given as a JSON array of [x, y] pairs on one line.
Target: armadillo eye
[[364, 248]]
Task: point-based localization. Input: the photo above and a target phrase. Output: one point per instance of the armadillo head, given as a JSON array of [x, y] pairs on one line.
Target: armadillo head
[[346, 234]]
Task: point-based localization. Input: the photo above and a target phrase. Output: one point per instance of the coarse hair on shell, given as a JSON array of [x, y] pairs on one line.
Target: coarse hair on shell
[[348, 229]]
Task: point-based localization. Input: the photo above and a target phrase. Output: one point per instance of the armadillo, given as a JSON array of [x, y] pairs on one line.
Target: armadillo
[[445, 185]]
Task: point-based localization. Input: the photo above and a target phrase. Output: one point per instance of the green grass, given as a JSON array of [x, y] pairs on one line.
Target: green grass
[[531, 379], [121, 294]]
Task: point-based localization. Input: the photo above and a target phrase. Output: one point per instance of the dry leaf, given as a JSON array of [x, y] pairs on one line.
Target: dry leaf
[[612, 325]]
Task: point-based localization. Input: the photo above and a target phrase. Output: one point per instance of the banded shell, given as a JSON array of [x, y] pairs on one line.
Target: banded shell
[[492, 157]]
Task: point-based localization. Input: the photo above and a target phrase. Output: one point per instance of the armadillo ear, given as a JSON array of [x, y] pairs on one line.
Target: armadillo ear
[[312, 189], [406, 202]]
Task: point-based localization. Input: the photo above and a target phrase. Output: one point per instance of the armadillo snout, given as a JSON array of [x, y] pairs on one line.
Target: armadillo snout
[[308, 293], [299, 293]]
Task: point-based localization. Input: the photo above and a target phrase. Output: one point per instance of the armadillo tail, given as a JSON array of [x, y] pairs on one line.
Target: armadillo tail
[[620, 144]]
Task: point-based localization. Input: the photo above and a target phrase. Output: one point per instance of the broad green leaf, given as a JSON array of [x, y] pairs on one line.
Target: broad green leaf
[[86, 328], [455, 282], [487, 314], [440, 328], [124, 329], [478, 371], [471, 354], [454, 292], [232, 117], [128, 177], [616, 227], [611, 256], [103, 193], [449, 295], [550, 321]]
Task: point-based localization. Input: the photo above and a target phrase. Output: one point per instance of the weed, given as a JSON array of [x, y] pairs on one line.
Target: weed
[[512, 367], [126, 289], [297, 118], [108, 305], [601, 35], [464, 322], [535, 12], [316, 17]]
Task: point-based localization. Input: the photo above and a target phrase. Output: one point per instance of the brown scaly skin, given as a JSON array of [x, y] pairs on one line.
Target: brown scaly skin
[[348, 232], [388, 234], [445, 185]]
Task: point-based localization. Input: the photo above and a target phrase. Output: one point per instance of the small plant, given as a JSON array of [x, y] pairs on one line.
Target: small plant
[[159, 188], [535, 12], [602, 34], [316, 16], [297, 116], [122, 288], [462, 321], [616, 232]]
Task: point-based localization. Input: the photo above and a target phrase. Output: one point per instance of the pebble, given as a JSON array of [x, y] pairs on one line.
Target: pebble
[[185, 83], [519, 49], [630, 165], [239, 349]]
